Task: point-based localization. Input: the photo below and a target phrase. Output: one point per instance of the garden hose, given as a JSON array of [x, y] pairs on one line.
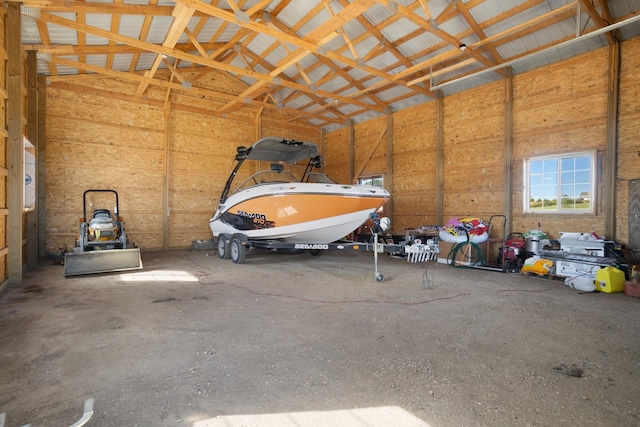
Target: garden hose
[[476, 257]]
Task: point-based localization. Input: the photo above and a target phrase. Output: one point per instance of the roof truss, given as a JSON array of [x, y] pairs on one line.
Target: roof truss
[[325, 61]]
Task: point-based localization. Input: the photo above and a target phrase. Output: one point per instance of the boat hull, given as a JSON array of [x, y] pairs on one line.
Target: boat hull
[[298, 212]]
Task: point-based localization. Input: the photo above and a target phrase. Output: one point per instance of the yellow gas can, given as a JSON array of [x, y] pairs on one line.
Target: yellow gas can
[[610, 279]]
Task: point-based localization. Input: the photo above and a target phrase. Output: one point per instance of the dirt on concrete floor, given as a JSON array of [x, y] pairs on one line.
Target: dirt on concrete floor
[[296, 340]]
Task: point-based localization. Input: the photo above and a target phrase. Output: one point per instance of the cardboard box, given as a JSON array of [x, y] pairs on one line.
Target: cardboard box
[[465, 254]]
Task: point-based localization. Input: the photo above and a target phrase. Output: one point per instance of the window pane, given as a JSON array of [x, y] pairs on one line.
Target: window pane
[[550, 166], [568, 164], [375, 181], [583, 163], [568, 191], [536, 180], [583, 177], [535, 167], [567, 178]]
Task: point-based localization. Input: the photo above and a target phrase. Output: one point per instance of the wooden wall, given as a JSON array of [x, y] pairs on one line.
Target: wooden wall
[[3, 146], [558, 108], [100, 136], [628, 133], [561, 108], [414, 166], [473, 154]]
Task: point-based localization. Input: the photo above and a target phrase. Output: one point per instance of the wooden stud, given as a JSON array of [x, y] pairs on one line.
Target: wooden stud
[[439, 157], [15, 145], [613, 94], [33, 115], [508, 149], [352, 150], [41, 162], [388, 182], [167, 171]]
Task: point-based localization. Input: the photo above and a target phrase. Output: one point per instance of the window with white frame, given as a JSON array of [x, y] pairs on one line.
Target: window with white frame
[[374, 181], [560, 184]]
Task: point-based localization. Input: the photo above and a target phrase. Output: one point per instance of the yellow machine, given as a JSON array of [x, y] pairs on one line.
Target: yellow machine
[[102, 243]]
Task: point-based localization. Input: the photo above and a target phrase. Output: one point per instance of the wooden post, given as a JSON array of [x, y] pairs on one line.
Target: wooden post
[[388, 182], [323, 134], [352, 149], [167, 171], [15, 144], [32, 135], [41, 162], [439, 157], [508, 150], [611, 166]]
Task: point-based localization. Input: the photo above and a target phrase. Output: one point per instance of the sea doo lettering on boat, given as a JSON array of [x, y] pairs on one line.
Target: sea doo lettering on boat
[[254, 216], [308, 246]]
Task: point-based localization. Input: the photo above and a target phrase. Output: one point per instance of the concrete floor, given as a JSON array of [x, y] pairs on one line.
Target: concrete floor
[[296, 340]]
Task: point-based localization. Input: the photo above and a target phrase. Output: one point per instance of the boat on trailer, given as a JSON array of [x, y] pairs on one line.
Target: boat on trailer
[[290, 206]]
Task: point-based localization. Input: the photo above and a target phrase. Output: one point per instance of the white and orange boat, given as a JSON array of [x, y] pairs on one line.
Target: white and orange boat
[[281, 205]]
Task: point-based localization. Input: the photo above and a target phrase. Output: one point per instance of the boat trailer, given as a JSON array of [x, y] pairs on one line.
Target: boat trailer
[[236, 246]]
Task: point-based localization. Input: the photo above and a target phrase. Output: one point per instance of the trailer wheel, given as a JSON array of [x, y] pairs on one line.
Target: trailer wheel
[[223, 247], [379, 277], [315, 252], [238, 251]]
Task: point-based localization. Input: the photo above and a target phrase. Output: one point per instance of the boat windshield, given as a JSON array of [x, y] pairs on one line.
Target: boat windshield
[[320, 178], [267, 177]]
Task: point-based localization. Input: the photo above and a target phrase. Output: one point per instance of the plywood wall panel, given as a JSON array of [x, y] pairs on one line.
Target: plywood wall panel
[[81, 131], [369, 140], [573, 78], [205, 134], [217, 81], [629, 98], [573, 138], [336, 154], [473, 159], [297, 131], [537, 118], [628, 162], [630, 70], [413, 163], [414, 167], [194, 163], [568, 114], [99, 109]]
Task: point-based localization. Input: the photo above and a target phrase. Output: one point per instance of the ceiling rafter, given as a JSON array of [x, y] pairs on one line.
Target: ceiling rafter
[[175, 53], [314, 40], [337, 71], [316, 99], [504, 34], [600, 22], [464, 11], [181, 14], [355, 8], [167, 84], [435, 30]]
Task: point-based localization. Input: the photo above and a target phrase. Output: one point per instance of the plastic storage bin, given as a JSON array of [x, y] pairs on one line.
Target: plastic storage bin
[[610, 279]]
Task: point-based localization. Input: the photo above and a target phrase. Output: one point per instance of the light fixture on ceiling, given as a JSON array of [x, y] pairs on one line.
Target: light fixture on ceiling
[[462, 47]]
